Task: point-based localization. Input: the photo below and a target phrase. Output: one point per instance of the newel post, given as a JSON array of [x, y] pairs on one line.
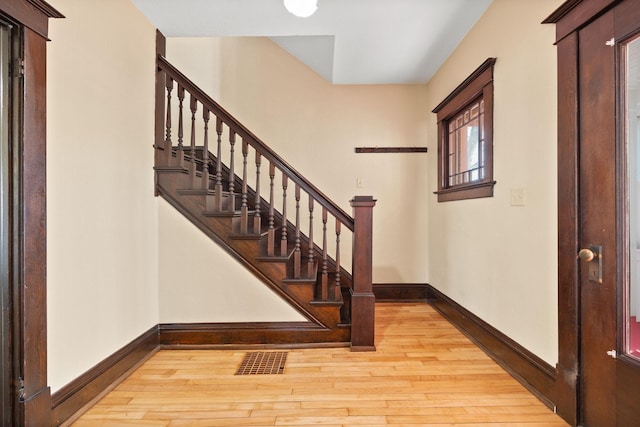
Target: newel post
[[362, 299], [162, 152]]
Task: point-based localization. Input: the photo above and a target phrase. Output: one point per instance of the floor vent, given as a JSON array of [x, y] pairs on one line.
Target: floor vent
[[263, 363]]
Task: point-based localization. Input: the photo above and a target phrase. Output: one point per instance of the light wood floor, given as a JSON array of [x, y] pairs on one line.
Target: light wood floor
[[424, 372]]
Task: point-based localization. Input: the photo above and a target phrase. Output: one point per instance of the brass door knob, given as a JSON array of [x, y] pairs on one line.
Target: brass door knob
[[586, 255]]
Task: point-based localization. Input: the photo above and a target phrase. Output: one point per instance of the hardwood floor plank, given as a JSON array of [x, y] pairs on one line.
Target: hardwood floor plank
[[424, 372], [491, 403], [323, 421], [467, 418], [195, 415], [113, 423], [224, 422]]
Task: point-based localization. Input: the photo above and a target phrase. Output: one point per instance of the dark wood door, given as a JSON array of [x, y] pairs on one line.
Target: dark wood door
[[608, 170], [597, 183]]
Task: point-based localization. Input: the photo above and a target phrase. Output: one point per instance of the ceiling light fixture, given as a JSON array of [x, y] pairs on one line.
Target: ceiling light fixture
[[301, 8]]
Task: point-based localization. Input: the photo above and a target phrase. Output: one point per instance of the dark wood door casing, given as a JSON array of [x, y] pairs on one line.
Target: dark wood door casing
[[34, 401], [6, 225], [568, 292]]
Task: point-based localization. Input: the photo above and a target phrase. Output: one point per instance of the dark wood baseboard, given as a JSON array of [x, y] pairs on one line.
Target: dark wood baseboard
[[81, 391], [400, 291], [531, 371], [251, 333]]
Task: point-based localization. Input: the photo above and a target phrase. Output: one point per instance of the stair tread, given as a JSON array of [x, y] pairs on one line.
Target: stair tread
[[326, 303], [250, 236], [171, 169], [196, 192], [227, 214], [273, 258], [301, 280]]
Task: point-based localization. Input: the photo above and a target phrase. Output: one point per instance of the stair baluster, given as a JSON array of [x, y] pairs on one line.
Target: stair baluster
[[244, 208], [271, 231], [180, 149], [324, 282], [283, 237], [192, 160], [205, 151], [310, 258], [296, 250], [256, 216], [217, 188], [168, 145], [232, 185]]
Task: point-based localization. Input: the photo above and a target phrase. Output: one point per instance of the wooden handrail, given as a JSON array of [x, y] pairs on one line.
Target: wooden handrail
[[254, 141]]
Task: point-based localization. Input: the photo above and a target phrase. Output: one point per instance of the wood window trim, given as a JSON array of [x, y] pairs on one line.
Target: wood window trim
[[478, 84]]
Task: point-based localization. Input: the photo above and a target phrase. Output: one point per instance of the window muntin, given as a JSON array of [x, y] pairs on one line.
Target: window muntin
[[466, 145]]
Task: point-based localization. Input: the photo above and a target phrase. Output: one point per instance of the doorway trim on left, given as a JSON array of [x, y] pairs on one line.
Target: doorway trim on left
[[34, 403]]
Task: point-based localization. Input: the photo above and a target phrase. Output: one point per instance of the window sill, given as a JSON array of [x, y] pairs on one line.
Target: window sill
[[468, 191]]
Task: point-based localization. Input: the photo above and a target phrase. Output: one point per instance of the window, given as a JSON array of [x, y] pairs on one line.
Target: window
[[465, 138]]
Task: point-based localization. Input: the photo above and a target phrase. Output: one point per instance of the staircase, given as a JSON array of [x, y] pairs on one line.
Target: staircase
[[264, 213]]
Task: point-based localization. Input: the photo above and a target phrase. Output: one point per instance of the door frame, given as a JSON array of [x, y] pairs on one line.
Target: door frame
[[29, 178], [569, 18], [6, 243]]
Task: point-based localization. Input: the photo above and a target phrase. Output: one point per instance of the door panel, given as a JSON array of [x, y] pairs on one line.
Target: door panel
[[597, 184], [609, 206], [627, 26]]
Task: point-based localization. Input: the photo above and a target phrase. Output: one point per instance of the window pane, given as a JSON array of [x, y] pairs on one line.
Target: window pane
[[466, 140], [481, 144], [632, 131]]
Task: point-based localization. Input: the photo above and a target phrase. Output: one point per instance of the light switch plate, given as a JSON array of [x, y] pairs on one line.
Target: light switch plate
[[518, 197]]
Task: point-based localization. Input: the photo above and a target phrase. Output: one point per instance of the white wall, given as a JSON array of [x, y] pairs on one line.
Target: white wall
[[315, 126], [201, 56], [102, 222], [200, 282], [497, 260]]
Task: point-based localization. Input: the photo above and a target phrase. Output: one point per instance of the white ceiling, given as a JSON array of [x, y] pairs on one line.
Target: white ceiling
[[345, 41]]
